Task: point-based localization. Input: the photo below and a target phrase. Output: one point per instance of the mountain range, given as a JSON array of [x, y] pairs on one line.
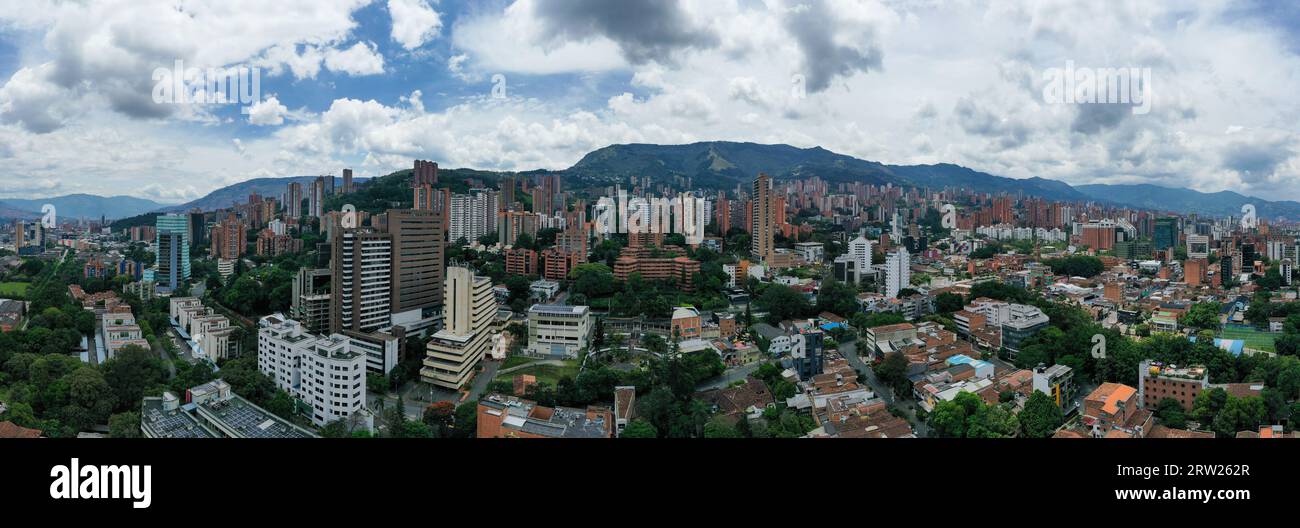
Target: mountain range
[[79, 206], [724, 165]]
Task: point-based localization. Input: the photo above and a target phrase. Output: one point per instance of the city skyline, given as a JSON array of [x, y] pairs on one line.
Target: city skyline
[[526, 85]]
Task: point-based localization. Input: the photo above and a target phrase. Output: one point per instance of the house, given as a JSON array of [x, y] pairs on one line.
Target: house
[[11, 430], [748, 399]]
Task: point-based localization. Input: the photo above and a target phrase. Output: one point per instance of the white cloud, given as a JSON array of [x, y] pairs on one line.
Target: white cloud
[[268, 111], [362, 58], [414, 22]]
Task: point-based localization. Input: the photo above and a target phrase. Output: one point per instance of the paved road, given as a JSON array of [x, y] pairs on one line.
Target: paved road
[[850, 352], [416, 395], [729, 376]]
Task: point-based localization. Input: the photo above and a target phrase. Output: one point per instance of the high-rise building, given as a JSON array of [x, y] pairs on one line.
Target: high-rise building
[[173, 245], [323, 372], [469, 309], [362, 274], [898, 272], [316, 198], [763, 219], [198, 228], [417, 259], [1165, 234], [347, 181], [293, 200], [1286, 269], [229, 238], [511, 224], [425, 173], [473, 215], [311, 299]]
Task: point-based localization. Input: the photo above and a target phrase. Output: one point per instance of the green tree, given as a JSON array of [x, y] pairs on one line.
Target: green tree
[[1171, 413], [124, 425], [639, 428], [1041, 417]]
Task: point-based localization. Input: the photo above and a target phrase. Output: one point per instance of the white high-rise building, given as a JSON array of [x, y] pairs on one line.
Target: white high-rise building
[[860, 249], [898, 272], [323, 372], [473, 215]]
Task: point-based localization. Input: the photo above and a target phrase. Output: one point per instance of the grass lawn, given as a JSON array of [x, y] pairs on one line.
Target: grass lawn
[[515, 361], [1254, 338], [14, 288], [548, 374]]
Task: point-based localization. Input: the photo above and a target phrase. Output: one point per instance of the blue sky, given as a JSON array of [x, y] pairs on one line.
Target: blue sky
[[373, 84]]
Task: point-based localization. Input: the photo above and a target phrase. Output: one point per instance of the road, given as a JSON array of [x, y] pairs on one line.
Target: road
[[729, 376], [850, 353], [417, 395]]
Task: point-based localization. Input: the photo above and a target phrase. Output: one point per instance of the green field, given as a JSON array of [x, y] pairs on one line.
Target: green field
[[1254, 338], [546, 374], [515, 361], [14, 288]]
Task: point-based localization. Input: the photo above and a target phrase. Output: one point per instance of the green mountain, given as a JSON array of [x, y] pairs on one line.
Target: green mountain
[[723, 165], [85, 206], [1223, 203]]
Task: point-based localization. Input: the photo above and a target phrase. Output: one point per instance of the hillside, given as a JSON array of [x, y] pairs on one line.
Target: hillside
[[1223, 203], [85, 206]]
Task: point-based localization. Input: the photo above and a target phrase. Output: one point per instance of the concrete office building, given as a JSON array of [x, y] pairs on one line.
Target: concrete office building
[[311, 299], [362, 268], [469, 310], [558, 331], [417, 262]]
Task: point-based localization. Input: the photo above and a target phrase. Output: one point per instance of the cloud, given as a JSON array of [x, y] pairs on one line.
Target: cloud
[[362, 58], [830, 47], [414, 22], [645, 30], [266, 112]]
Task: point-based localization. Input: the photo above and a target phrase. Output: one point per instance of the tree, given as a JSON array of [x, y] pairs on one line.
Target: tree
[[639, 428], [947, 302], [893, 371], [720, 427], [838, 298], [440, 415], [131, 372], [1040, 417], [1171, 413], [782, 302], [124, 425], [1202, 316]]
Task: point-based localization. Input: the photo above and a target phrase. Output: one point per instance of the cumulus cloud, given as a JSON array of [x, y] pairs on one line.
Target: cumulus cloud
[[268, 111], [414, 22], [362, 58]]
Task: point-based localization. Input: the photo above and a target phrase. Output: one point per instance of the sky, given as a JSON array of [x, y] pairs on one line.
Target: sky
[[529, 84]]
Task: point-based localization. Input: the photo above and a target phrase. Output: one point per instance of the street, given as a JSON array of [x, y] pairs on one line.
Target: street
[[850, 352], [416, 395]]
